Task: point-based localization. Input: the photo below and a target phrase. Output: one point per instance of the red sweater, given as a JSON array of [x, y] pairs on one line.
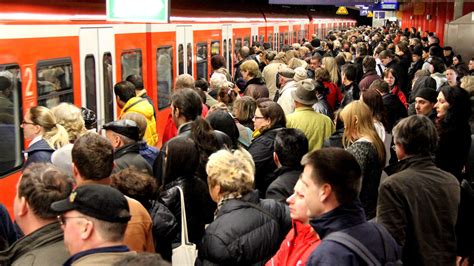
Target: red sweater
[[334, 96], [297, 246]]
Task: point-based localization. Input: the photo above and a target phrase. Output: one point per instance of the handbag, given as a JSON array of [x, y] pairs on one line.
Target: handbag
[[186, 253]]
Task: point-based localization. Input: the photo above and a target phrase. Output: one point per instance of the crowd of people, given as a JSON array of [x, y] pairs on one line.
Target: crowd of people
[[352, 149]]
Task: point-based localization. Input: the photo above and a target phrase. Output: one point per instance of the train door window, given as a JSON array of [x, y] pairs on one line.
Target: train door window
[[190, 58], [108, 87], [11, 141], [54, 82], [229, 52], [246, 41], [201, 60], [181, 59], [91, 95], [270, 40], [215, 47], [225, 49], [295, 37], [131, 63], [286, 38], [282, 38], [262, 39], [237, 46], [164, 66]]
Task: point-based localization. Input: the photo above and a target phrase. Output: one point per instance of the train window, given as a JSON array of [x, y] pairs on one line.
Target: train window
[[201, 60], [131, 63], [54, 82], [91, 95], [180, 59], [164, 66], [295, 37], [286, 38], [11, 142], [229, 52], [262, 39], [108, 87], [215, 47], [190, 58], [237, 46], [224, 52], [270, 40], [247, 41], [282, 38]]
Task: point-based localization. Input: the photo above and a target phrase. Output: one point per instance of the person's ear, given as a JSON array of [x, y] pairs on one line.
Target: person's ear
[[23, 206], [325, 192], [87, 230]]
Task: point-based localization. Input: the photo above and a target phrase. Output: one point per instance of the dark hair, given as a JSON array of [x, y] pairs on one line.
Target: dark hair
[[436, 51], [244, 109], [217, 61], [339, 169], [459, 110], [417, 134], [290, 145], [188, 102], [202, 84], [136, 80], [386, 54], [380, 85], [125, 90], [136, 184], [322, 74], [93, 156], [369, 63], [5, 83], [350, 71], [223, 121], [41, 185], [394, 74], [438, 64], [374, 101], [273, 111], [182, 159]]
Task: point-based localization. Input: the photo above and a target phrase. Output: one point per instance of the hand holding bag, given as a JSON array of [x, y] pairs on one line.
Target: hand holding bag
[[185, 254]]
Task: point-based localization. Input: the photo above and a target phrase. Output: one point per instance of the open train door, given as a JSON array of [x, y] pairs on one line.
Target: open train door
[[97, 51], [184, 51]]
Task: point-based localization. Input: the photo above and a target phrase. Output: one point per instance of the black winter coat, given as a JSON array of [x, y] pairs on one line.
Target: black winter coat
[[453, 150], [243, 234], [395, 110], [164, 228], [284, 184], [261, 150], [199, 206]]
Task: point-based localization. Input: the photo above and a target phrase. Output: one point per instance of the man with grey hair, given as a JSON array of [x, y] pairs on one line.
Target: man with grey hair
[[418, 202]]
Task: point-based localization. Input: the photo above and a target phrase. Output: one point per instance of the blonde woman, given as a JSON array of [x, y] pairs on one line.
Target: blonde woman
[[361, 140], [254, 86], [329, 63], [246, 230], [70, 117], [41, 128]]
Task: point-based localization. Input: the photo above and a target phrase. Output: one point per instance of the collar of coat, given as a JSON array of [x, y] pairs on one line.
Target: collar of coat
[[416, 161]]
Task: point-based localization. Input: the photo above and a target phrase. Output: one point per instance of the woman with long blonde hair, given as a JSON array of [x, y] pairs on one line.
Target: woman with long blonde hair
[[46, 135], [361, 139], [330, 64]]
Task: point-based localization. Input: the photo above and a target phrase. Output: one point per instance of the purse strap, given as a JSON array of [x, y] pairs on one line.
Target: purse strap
[[184, 225]]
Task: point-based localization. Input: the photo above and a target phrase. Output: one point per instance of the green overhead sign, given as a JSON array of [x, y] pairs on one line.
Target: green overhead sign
[[138, 10]]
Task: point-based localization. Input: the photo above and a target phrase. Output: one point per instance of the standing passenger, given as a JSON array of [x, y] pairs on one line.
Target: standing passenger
[[418, 202]]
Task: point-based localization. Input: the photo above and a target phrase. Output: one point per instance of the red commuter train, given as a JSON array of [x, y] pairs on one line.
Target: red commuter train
[[65, 51]]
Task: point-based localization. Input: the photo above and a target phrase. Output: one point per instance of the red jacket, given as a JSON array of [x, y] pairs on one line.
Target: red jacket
[[334, 96], [396, 91], [297, 246]]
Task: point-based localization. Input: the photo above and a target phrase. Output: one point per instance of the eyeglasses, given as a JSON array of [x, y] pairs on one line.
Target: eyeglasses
[[62, 219], [258, 117], [27, 123]]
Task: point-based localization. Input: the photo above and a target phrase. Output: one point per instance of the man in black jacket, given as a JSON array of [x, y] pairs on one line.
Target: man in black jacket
[[124, 136], [395, 108], [418, 202], [291, 145]]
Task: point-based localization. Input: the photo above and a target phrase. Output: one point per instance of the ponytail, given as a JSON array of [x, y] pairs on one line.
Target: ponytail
[[57, 136]]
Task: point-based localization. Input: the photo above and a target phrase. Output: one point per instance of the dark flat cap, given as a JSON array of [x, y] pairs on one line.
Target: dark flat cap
[[127, 128]]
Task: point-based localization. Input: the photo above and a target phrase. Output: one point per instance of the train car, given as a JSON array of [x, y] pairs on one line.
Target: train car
[[67, 52]]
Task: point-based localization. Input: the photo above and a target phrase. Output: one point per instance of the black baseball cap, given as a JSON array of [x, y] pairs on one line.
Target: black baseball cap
[[125, 127], [98, 201]]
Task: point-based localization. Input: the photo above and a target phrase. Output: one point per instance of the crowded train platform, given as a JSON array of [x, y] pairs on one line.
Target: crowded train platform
[[349, 145]]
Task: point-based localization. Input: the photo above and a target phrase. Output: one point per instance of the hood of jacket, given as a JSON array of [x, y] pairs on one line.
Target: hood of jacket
[[143, 107], [40, 145]]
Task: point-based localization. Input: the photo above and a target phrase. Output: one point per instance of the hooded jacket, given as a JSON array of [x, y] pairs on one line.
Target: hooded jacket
[[140, 105]]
